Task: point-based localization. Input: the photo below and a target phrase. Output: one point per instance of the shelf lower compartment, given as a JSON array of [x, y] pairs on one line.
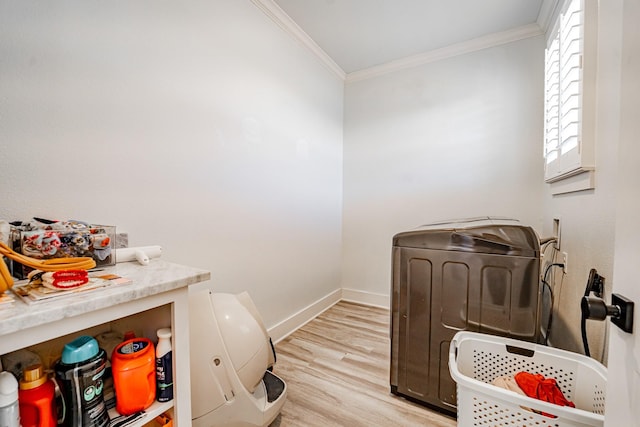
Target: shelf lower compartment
[[157, 408]]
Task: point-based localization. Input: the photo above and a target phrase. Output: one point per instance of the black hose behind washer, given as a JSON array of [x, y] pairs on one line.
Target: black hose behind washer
[[583, 328], [594, 284]]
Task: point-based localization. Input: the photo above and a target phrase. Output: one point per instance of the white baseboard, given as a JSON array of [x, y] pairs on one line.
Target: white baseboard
[[294, 322], [289, 325], [366, 298]]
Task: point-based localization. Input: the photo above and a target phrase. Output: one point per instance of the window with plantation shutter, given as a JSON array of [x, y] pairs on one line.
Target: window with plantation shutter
[[552, 104], [567, 144]]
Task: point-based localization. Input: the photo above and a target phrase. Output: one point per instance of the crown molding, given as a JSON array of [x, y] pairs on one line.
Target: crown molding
[[284, 21], [469, 46], [547, 11]]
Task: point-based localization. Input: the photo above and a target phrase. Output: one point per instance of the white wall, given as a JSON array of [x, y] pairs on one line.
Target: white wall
[[588, 218], [198, 126], [599, 227], [451, 139]]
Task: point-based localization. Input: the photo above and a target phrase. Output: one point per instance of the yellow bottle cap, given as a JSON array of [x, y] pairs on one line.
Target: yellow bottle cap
[[32, 377]]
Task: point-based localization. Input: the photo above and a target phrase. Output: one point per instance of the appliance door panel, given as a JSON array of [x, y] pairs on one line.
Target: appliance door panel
[[437, 293]]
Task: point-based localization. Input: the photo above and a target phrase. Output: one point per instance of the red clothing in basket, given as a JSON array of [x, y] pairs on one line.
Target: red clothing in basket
[[539, 387]]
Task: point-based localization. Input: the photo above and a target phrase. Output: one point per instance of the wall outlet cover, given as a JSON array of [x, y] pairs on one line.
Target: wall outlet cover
[[625, 320]]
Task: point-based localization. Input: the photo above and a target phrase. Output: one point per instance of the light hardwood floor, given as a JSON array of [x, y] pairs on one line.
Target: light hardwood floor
[[337, 372]]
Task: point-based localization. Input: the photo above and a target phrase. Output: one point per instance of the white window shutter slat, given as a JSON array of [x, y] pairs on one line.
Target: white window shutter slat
[[563, 92]]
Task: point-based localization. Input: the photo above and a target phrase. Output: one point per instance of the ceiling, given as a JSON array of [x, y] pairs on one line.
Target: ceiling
[[360, 34]]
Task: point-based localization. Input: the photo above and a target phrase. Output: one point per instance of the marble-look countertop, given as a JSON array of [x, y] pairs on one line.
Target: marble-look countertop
[[157, 277]]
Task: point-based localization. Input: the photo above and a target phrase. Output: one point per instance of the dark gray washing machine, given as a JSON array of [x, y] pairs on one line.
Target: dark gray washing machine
[[479, 274]]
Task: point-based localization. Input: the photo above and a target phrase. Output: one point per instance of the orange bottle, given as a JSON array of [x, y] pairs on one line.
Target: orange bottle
[[133, 365], [36, 399]]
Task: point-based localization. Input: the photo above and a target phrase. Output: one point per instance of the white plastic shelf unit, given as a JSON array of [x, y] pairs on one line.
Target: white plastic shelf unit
[[159, 288]]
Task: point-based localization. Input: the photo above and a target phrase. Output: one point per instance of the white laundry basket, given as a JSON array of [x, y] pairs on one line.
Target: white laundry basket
[[475, 360]]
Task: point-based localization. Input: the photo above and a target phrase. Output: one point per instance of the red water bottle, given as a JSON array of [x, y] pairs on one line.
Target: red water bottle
[[36, 398]]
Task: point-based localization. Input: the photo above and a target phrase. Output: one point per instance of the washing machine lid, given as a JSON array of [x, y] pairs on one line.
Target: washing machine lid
[[490, 235]]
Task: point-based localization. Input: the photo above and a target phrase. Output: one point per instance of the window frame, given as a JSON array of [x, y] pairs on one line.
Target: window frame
[[569, 80]]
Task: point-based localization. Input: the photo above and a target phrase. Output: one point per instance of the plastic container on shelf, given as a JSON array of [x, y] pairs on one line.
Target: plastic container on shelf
[[80, 375], [475, 360], [133, 366], [164, 366], [9, 410], [37, 398]]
